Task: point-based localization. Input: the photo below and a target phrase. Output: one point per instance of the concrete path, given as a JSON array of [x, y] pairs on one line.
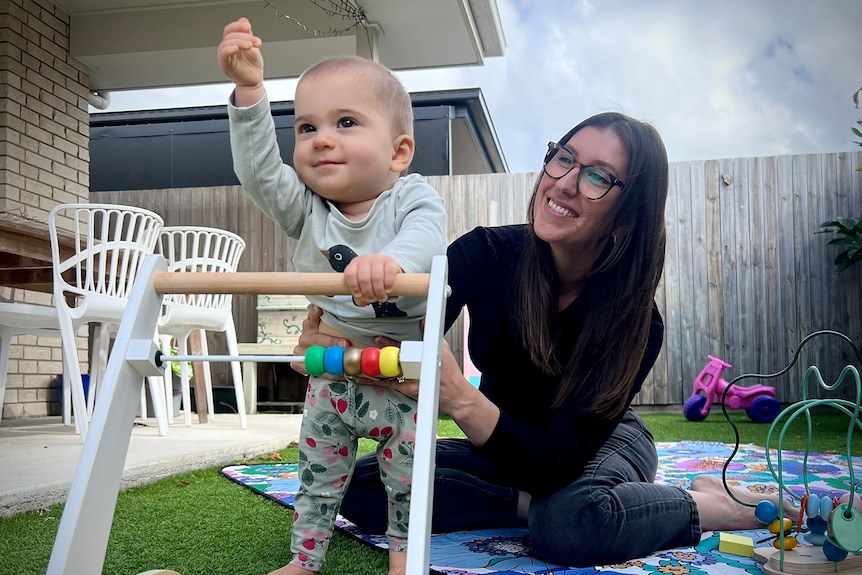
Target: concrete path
[[38, 456]]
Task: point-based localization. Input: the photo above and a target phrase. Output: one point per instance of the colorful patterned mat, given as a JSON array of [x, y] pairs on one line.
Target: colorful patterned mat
[[507, 551]]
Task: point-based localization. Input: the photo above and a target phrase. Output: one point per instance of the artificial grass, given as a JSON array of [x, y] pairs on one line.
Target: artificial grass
[[828, 431], [199, 523]]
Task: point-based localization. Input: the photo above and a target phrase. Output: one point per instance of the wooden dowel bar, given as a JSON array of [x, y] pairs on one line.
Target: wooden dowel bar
[[276, 283]]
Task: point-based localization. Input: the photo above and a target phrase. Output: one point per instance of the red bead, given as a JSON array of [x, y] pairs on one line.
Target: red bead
[[371, 361]]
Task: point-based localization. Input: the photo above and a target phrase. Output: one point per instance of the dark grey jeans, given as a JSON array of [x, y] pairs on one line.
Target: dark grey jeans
[[610, 514], [614, 512]]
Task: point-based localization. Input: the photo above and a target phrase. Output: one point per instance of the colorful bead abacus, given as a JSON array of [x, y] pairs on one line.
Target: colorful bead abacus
[[833, 524], [353, 361]]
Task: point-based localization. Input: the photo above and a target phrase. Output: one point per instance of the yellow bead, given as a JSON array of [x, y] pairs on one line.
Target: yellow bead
[[789, 543], [389, 365], [774, 527]]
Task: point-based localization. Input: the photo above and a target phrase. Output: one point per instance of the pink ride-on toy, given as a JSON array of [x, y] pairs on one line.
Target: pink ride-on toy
[[758, 401]]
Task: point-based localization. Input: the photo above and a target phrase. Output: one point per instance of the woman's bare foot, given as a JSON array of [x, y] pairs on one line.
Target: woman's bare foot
[[718, 511]]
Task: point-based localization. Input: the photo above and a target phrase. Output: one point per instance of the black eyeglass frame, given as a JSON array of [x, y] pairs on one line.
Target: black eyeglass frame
[[554, 148]]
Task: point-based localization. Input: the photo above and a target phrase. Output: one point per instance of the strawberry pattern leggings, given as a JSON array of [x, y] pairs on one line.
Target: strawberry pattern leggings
[[336, 414]]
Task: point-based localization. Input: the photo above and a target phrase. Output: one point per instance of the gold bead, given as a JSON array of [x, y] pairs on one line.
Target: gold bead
[[353, 361]]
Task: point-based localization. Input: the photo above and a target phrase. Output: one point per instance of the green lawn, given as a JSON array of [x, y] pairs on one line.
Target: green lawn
[[199, 523]]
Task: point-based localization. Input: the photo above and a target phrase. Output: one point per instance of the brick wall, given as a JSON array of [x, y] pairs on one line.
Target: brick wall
[[44, 122], [44, 160]]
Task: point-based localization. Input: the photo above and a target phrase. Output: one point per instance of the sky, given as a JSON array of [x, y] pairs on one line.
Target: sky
[[718, 79]]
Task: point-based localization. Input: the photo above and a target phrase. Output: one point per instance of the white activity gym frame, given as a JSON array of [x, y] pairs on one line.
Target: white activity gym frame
[[82, 536]]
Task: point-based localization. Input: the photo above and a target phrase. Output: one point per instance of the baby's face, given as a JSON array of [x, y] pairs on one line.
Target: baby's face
[[344, 142]]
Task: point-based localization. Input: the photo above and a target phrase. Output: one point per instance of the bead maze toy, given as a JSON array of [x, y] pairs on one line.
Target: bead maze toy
[[82, 536], [758, 401], [832, 534]]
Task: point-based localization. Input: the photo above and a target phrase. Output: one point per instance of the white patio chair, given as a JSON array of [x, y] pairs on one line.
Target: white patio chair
[[20, 319], [93, 285], [200, 249]]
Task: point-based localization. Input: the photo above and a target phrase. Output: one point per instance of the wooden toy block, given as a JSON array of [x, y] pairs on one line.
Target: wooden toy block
[[735, 544]]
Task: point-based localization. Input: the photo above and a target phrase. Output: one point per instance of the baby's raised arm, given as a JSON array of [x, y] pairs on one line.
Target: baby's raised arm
[[240, 59]]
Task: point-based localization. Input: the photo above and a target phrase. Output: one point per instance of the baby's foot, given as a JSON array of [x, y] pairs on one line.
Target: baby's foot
[[291, 570], [737, 515], [397, 562]]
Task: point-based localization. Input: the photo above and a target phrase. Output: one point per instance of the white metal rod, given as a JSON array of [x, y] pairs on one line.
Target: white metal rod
[[217, 358]]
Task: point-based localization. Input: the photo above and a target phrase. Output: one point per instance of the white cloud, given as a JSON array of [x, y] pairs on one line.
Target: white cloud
[[718, 79]]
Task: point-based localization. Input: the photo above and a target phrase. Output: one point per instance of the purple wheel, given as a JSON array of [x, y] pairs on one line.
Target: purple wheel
[[692, 407], [763, 409]]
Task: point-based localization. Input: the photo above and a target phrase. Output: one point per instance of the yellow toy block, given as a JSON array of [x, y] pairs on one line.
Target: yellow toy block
[[735, 544]]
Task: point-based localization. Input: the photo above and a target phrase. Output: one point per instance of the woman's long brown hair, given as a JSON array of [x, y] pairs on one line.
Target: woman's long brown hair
[[621, 287]]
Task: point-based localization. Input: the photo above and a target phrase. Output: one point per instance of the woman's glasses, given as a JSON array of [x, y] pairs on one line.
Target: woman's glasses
[[593, 182]]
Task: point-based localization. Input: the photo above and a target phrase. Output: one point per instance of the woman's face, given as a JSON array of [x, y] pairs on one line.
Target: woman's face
[[565, 219]]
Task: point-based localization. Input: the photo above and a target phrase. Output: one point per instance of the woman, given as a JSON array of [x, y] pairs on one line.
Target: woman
[[564, 329]]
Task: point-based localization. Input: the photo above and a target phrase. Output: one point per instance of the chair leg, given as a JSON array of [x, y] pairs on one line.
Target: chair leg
[[5, 343], [101, 350], [143, 406], [66, 398], [236, 370], [183, 347], [159, 404], [72, 375], [165, 344], [208, 378]]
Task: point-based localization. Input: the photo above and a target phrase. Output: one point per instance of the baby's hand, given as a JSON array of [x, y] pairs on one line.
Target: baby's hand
[[239, 54], [371, 277]]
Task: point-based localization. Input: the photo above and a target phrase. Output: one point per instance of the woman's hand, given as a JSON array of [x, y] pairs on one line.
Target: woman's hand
[[474, 413], [311, 336]]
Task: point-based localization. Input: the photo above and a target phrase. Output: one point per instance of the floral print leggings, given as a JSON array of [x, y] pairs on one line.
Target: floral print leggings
[[336, 414]]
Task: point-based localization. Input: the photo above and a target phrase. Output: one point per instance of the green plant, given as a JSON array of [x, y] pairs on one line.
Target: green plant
[[849, 230], [858, 134], [175, 365], [849, 238]]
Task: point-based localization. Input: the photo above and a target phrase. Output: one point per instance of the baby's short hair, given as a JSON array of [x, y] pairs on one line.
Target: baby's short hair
[[393, 98]]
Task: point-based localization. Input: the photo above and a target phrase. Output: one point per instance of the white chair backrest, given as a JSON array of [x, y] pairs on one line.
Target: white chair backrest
[[200, 249], [111, 242]]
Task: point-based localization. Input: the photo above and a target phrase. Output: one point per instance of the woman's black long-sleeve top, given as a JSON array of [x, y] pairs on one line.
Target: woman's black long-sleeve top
[[551, 446]]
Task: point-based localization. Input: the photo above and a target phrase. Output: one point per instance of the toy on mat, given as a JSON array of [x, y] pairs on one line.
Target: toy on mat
[[833, 526], [758, 401], [735, 544]]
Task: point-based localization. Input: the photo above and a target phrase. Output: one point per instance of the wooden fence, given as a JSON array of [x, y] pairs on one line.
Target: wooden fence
[[746, 278]]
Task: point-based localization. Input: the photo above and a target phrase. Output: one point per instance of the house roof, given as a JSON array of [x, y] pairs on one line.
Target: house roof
[[135, 44], [189, 147]]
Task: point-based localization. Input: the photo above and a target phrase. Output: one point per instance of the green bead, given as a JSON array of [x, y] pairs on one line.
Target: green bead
[[314, 360]]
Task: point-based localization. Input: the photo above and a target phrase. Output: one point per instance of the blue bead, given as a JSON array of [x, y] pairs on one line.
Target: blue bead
[[333, 360], [816, 524], [832, 552], [766, 512], [814, 538]]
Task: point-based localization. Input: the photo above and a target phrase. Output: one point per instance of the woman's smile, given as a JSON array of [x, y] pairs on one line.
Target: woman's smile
[[562, 210]]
